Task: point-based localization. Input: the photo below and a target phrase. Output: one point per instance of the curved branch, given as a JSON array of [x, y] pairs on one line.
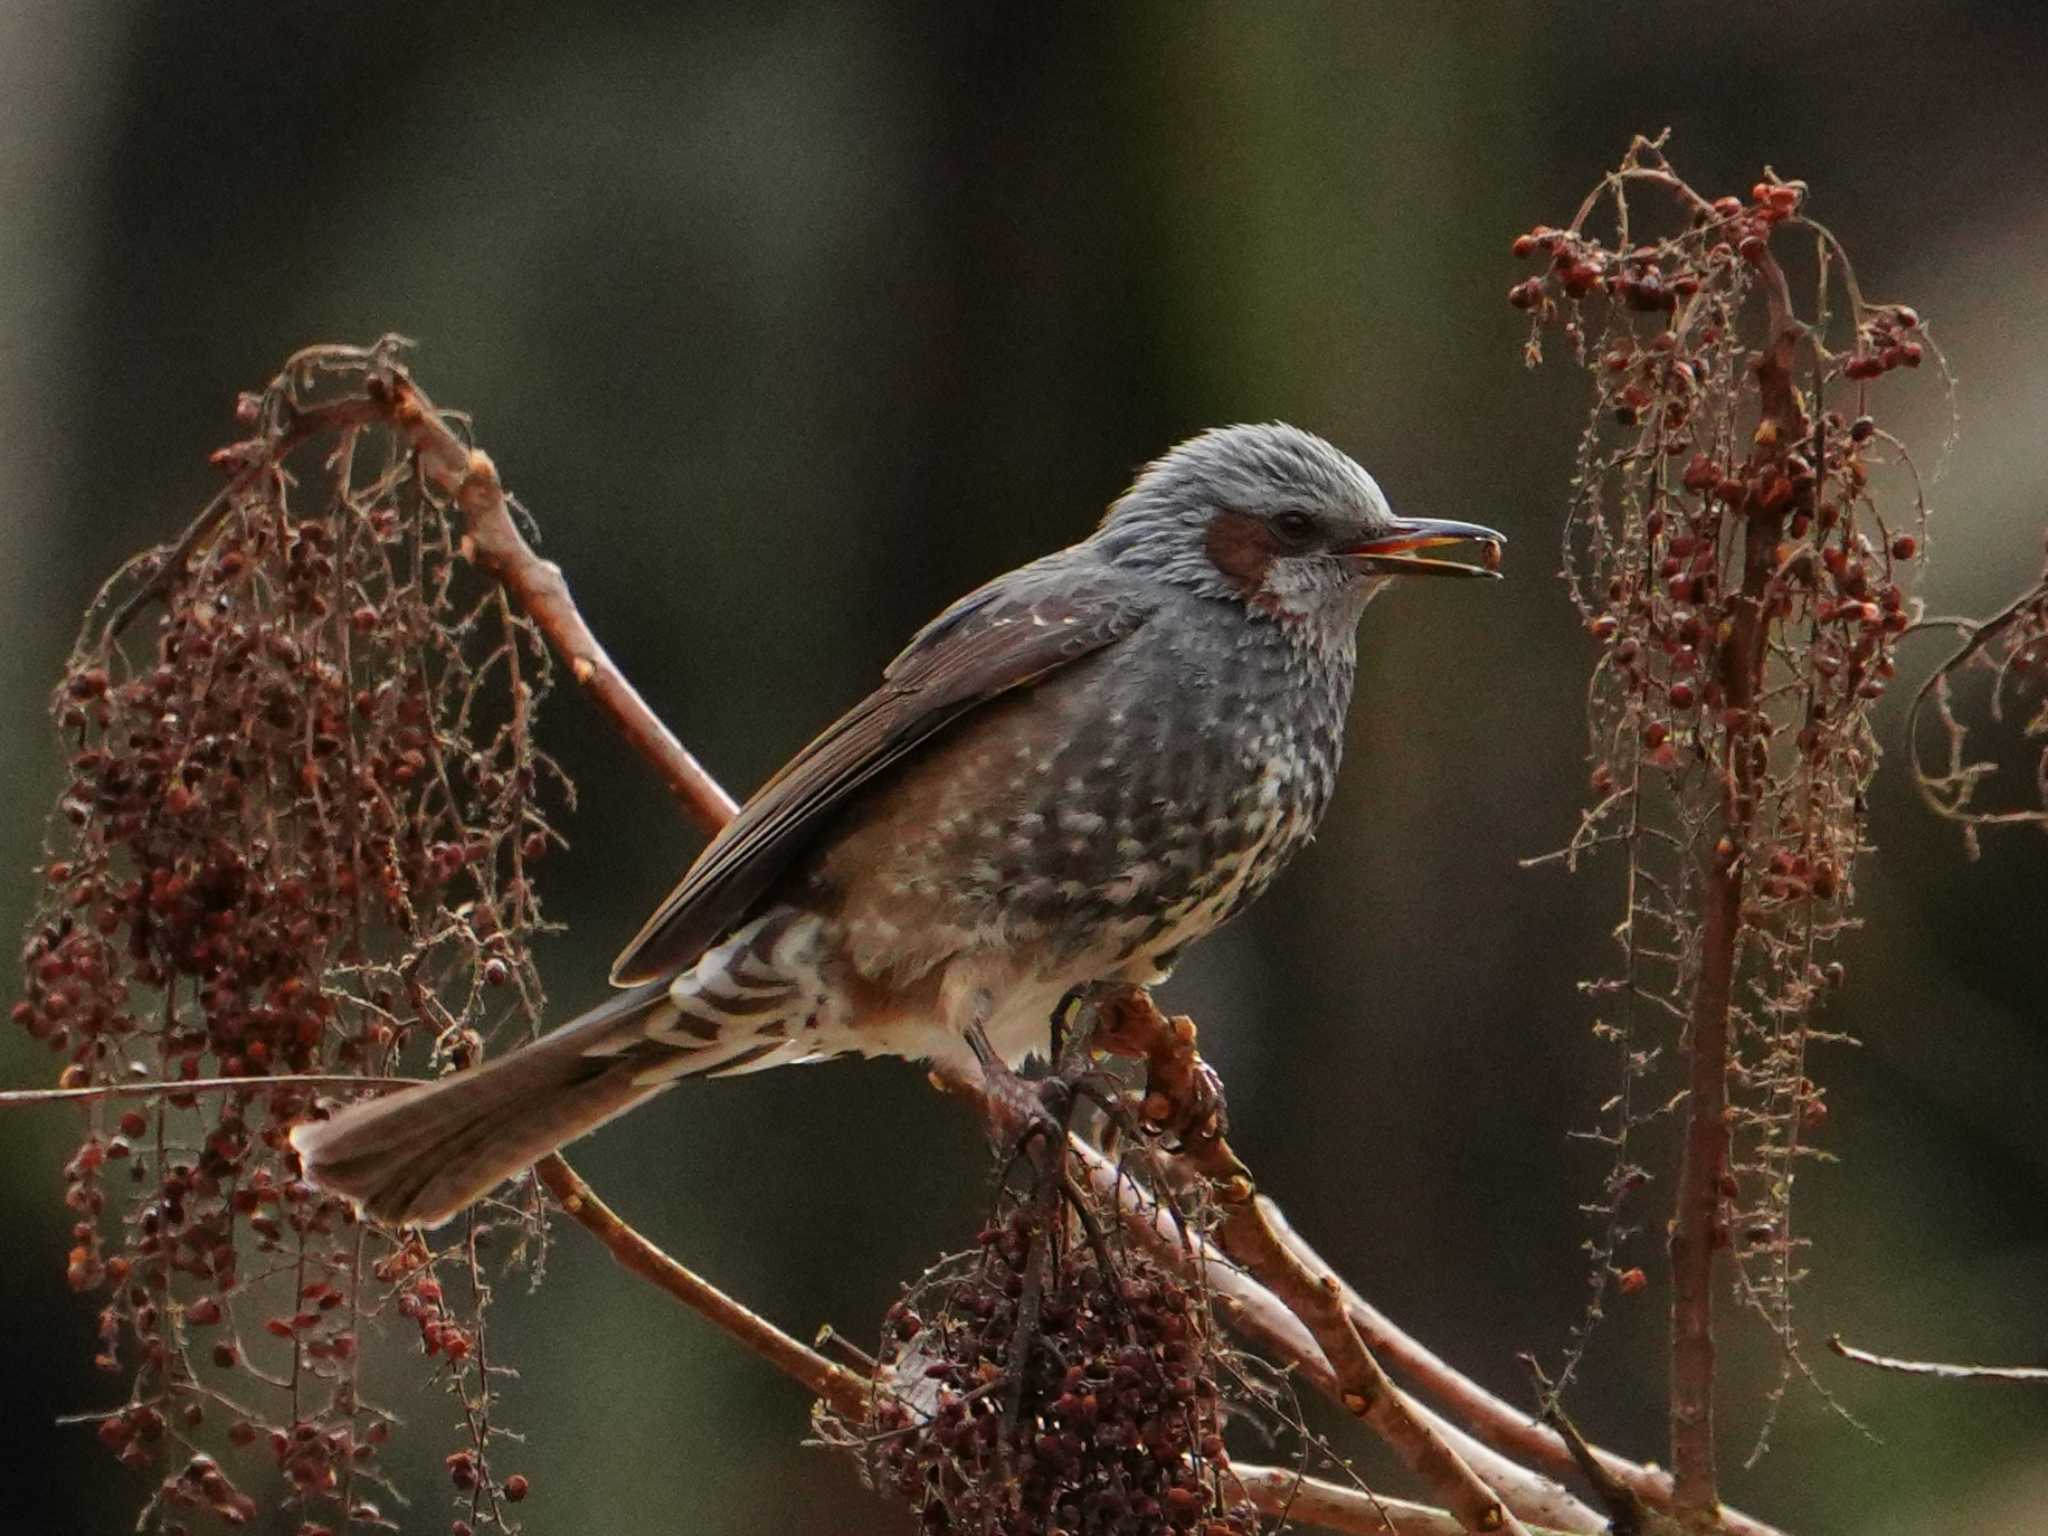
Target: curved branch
[[490, 537], [1948, 794]]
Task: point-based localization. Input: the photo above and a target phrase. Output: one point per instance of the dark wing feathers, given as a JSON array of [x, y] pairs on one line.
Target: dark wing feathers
[[1008, 634]]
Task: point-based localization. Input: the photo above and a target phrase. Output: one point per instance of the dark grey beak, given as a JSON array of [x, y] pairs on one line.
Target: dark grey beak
[[1392, 553]]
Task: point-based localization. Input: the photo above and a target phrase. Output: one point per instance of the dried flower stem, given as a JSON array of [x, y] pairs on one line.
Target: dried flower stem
[[1699, 1228]]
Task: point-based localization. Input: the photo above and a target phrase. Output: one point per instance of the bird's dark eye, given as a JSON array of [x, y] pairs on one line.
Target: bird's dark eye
[[1295, 527]]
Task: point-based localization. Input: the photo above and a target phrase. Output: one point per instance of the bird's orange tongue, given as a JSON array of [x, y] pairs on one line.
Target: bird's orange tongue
[[1393, 553]]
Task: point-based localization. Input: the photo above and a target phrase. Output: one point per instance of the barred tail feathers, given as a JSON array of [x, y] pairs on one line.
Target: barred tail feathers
[[422, 1154]]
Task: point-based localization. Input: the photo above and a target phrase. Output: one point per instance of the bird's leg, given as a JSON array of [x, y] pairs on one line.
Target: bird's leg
[[1022, 1113], [1183, 1095], [1073, 1029]]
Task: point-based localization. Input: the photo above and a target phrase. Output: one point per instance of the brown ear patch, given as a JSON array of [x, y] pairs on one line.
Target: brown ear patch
[[1241, 547]]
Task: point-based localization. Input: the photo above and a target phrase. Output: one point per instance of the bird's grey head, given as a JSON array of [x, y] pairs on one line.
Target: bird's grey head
[[1278, 520]]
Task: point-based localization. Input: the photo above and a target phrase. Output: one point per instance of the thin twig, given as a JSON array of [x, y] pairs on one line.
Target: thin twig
[[1627, 1514], [1940, 1370], [1331, 1506], [162, 1087], [849, 1395], [306, 422]]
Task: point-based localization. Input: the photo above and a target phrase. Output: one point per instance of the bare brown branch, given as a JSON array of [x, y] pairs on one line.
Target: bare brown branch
[[848, 1394], [1313, 1501], [493, 540], [1245, 1235], [1699, 1228], [1499, 1424]]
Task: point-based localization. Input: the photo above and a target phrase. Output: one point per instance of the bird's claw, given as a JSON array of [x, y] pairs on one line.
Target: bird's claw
[[1024, 1114]]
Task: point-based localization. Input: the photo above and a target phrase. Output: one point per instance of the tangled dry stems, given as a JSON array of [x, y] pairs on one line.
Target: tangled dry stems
[[297, 837], [1731, 557], [2008, 654]]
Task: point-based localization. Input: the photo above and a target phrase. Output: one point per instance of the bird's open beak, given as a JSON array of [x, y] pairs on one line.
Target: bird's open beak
[[1393, 552]]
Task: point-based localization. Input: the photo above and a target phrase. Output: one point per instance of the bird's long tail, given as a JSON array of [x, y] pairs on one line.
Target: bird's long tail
[[422, 1154]]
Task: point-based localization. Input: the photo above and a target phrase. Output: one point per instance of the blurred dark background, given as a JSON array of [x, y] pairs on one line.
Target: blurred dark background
[[791, 323]]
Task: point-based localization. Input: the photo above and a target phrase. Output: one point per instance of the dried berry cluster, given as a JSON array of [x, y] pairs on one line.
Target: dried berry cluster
[[1116, 1425], [300, 806], [1729, 556]]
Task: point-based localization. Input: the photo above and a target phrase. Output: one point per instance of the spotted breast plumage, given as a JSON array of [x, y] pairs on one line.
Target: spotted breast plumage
[[1064, 779]]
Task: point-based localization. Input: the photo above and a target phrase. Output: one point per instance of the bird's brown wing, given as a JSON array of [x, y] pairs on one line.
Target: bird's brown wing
[[1007, 635]]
